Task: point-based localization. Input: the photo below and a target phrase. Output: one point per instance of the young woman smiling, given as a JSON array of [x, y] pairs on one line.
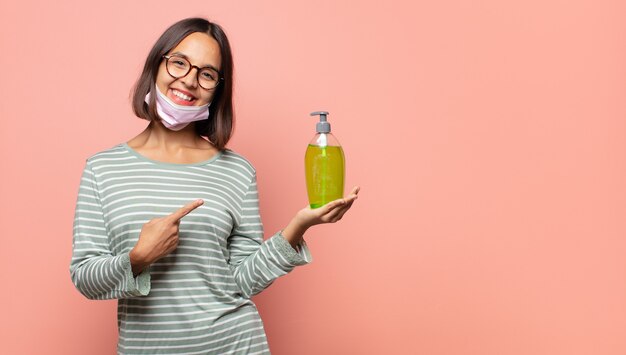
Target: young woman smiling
[[168, 223]]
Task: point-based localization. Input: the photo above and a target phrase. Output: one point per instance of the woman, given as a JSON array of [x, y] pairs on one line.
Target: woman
[[168, 222]]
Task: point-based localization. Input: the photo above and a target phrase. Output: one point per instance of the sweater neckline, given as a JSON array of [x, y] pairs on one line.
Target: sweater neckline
[[163, 163]]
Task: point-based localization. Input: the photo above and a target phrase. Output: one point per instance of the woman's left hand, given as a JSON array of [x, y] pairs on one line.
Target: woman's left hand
[[329, 213], [308, 217]]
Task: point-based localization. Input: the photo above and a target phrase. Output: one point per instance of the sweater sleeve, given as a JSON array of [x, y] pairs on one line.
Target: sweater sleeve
[[95, 271], [256, 264]]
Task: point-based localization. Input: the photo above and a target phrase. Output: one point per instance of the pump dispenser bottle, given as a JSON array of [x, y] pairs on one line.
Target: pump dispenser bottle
[[324, 165]]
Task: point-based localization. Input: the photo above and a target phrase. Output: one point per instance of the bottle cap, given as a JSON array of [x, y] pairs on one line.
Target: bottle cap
[[323, 126]]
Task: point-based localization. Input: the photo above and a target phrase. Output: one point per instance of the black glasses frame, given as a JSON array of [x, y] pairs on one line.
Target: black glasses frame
[[191, 66]]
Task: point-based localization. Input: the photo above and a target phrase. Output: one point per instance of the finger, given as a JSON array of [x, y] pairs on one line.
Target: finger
[[339, 210], [334, 208], [185, 210], [340, 203], [329, 207], [343, 211], [331, 216], [351, 198]]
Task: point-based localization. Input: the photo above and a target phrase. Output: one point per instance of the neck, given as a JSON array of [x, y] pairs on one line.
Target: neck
[[157, 135]]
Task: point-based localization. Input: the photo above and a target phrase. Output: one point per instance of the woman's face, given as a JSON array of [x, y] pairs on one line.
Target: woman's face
[[200, 50]]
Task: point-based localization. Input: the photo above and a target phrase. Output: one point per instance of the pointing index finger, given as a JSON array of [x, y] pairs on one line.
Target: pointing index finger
[[185, 210]]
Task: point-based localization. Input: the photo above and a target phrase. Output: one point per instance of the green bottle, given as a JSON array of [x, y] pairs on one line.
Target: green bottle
[[324, 165]]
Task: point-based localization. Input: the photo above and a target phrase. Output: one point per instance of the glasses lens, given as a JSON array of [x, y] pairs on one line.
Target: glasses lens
[[177, 66], [208, 78]]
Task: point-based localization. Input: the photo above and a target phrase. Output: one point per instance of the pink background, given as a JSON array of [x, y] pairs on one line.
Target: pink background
[[489, 138]]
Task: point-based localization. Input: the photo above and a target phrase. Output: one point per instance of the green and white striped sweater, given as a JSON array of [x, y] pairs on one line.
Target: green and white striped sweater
[[195, 300]]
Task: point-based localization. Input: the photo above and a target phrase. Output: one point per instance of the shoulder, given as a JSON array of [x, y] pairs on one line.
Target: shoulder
[[112, 154], [237, 161]]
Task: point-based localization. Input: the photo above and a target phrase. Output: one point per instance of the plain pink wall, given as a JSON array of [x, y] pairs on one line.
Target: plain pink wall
[[489, 138]]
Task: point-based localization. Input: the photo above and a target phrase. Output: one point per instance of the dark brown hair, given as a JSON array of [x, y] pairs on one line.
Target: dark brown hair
[[218, 128]]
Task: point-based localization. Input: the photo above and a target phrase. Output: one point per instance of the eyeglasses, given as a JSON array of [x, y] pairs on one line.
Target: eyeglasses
[[178, 67]]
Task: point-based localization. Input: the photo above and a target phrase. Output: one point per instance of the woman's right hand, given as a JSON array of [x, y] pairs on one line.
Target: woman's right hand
[[158, 237]]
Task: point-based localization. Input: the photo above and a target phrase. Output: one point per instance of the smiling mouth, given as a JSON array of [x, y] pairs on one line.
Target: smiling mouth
[[182, 98]]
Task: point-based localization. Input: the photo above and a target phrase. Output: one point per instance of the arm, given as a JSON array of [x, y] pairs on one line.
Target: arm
[[256, 264], [95, 271]]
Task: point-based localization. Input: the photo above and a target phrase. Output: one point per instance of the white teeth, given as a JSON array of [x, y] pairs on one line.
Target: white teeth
[[182, 96]]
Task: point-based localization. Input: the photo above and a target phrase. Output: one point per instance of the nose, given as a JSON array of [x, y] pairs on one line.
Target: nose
[[191, 79]]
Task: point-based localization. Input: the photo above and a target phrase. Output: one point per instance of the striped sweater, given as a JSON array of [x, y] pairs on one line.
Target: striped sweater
[[195, 300]]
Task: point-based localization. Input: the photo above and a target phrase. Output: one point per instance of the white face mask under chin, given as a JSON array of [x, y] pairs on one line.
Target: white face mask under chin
[[177, 117]]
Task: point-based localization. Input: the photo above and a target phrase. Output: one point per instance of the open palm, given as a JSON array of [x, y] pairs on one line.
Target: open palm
[[330, 212]]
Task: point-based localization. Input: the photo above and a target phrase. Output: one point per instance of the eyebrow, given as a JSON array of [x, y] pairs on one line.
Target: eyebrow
[[179, 54]]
